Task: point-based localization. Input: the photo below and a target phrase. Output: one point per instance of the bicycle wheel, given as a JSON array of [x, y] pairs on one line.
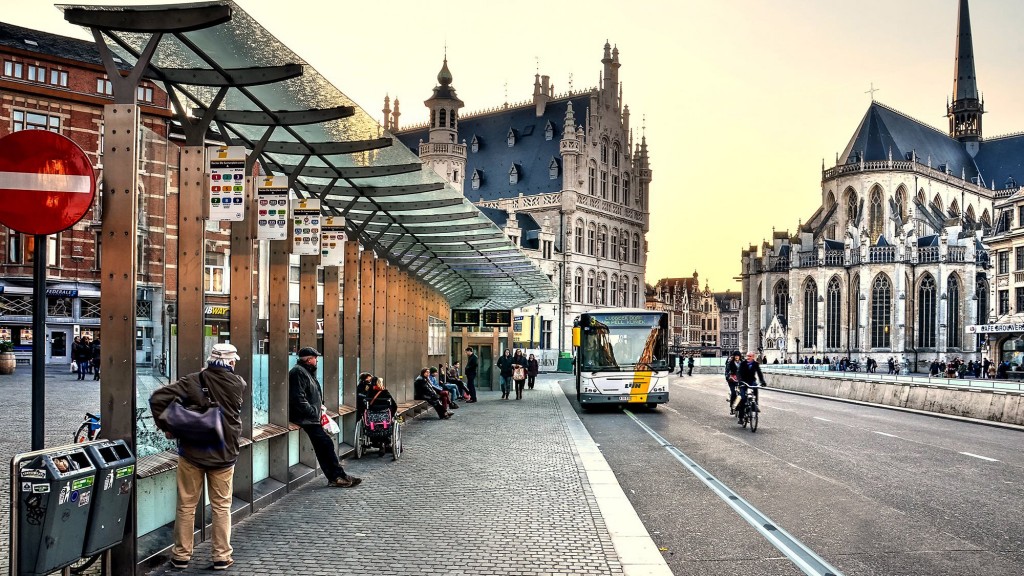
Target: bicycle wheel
[[357, 440], [752, 413], [83, 433]]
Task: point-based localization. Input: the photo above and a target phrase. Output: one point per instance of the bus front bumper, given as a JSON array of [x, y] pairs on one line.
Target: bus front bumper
[[655, 398]]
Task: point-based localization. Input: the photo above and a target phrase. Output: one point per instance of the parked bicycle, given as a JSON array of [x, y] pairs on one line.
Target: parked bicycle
[[749, 410], [89, 430]]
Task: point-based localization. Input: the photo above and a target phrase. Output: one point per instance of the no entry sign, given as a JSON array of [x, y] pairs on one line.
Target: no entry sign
[[47, 183]]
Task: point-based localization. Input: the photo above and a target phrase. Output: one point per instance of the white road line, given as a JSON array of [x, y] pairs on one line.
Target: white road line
[[803, 557], [822, 419], [884, 434], [979, 457], [782, 409]]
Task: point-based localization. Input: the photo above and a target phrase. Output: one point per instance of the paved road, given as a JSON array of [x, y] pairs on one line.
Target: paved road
[[871, 491]]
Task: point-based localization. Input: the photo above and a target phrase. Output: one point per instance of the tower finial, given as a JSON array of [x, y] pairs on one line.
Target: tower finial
[[967, 108]]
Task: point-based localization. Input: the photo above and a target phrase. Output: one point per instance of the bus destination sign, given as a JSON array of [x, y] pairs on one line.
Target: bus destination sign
[[634, 320]]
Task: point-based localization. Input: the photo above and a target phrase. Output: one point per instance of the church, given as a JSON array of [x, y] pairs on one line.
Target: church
[[562, 176], [894, 262]]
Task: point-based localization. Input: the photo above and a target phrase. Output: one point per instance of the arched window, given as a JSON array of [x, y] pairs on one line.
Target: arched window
[[602, 242], [615, 188], [592, 179], [451, 118], [920, 196], [590, 287], [833, 322], [613, 292], [954, 334], [855, 298], [636, 248], [624, 247], [604, 151], [623, 289], [640, 195], [876, 215], [780, 300], [901, 203], [811, 314], [851, 206], [982, 293], [615, 244], [970, 216], [625, 189], [937, 201], [636, 292], [604, 184], [830, 200], [881, 312], [985, 218], [926, 313], [591, 239], [602, 289], [579, 236], [577, 285], [442, 118], [954, 208], [615, 155]]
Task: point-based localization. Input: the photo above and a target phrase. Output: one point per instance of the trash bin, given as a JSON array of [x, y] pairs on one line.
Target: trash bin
[[115, 479], [54, 498]]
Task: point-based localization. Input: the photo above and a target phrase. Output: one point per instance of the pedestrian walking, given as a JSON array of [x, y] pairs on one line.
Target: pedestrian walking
[[212, 461], [689, 366], [532, 369], [505, 369], [519, 373], [95, 360], [471, 367], [305, 409]]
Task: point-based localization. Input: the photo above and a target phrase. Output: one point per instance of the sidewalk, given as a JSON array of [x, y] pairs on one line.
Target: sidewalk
[[503, 487]]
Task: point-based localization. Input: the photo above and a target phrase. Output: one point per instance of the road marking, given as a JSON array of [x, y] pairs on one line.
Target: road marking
[[803, 557], [884, 434], [822, 419], [782, 409], [979, 457], [671, 409]]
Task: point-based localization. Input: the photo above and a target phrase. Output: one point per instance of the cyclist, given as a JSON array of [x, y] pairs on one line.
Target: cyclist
[[732, 370], [749, 375]]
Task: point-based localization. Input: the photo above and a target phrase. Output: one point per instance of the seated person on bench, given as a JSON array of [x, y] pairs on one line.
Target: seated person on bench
[[423, 390]]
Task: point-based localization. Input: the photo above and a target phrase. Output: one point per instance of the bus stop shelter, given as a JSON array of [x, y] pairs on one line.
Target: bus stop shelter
[[416, 246]]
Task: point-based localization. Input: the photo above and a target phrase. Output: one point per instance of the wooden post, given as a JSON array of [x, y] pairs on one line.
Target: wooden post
[[307, 334], [366, 294], [277, 361], [241, 329], [350, 335], [380, 316]]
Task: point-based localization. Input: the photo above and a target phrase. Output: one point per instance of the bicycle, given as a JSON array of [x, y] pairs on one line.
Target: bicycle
[[89, 430], [749, 409]]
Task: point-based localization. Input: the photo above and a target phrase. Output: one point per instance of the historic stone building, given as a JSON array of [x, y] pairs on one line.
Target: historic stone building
[[694, 315], [728, 304], [892, 263], [561, 175]]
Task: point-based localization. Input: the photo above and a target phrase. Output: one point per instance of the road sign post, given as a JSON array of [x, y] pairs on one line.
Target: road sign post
[[48, 185]]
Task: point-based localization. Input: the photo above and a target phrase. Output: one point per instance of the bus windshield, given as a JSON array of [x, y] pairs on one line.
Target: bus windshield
[[623, 342]]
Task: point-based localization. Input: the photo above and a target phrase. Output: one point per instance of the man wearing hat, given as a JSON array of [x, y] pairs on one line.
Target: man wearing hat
[[306, 404], [215, 461]]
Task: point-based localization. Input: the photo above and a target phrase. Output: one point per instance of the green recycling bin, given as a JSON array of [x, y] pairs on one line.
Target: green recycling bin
[[54, 489], [115, 479]]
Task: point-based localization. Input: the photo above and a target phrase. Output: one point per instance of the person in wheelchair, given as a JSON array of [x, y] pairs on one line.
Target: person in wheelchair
[[363, 389], [381, 410]]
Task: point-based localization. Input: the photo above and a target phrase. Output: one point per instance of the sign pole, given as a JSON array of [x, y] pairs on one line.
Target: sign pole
[[39, 344]]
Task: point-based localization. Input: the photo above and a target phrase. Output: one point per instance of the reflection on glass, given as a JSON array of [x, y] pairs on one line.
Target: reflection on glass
[[619, 343]]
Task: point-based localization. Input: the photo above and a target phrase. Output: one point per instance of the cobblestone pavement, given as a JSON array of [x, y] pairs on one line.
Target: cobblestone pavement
[[498, 489]]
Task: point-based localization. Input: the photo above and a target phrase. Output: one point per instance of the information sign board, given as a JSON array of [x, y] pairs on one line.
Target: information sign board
[[332, 241], [306, 231], [226, 168], [272, 208]]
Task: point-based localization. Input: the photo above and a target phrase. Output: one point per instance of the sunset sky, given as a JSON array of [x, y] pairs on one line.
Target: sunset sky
[[742, 98]]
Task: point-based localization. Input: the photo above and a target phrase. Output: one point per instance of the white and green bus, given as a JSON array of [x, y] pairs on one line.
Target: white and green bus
[[621, 357]]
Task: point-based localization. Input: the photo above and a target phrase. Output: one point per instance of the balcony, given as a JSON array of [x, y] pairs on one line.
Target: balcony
[[881, 254], [427, 148]]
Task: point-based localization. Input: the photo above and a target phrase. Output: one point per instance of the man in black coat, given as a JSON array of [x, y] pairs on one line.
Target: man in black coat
[[305, 406], [750, 374], [471, 367]]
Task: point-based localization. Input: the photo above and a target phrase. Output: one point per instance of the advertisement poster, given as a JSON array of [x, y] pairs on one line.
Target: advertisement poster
[[306, 233], [226, 168], [272, 208], [332, 241]]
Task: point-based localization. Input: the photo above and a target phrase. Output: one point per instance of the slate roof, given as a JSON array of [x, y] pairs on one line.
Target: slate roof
[[999, 160], [48, 44], [531, 154], [883, 129], [527, 225]]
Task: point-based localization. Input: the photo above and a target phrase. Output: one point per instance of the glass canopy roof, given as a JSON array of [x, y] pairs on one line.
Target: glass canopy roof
[[396, 206]]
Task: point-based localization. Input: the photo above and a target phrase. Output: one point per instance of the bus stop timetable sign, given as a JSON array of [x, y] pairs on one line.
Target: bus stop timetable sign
[[47, 183]]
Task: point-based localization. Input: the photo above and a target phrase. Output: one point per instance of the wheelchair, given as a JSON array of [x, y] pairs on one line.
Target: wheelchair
[[378, 429]]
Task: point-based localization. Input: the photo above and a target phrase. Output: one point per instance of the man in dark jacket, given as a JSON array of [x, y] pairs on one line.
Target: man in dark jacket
[[422, 390], [96, 360], [471, 367], [689, 366], [214, 462], [305, 405], [750, 374]]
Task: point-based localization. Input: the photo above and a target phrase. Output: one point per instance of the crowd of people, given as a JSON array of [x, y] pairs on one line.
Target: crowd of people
[[86, 357]]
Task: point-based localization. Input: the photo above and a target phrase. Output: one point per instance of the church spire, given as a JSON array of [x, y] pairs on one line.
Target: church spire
[[967, 107]]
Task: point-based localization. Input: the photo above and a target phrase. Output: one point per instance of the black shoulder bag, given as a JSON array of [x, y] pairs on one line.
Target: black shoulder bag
[[196, 426]]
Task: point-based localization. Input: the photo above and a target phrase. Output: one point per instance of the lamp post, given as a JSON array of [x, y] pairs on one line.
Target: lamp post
[[797, 350]]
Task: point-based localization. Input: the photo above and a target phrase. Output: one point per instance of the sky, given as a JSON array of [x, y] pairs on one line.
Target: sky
[[742, 99]]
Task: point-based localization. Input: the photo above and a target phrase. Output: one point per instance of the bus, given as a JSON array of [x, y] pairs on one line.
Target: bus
[[621, 357]]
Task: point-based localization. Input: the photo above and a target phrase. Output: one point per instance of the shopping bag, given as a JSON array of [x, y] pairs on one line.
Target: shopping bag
[[74, 366], [328, 423]]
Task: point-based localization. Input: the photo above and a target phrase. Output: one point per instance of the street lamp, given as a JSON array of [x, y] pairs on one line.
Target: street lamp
[[797, 350]]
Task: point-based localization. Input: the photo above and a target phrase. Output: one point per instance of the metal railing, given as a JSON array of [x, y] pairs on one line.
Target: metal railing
[[825, 371]]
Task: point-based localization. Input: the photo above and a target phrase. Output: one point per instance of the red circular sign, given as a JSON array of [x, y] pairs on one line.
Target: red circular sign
[[47, 183]]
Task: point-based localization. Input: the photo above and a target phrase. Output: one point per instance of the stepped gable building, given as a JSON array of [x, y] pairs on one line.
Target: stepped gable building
[[561, 175], [694, 317], [728, 303], [893, 263]]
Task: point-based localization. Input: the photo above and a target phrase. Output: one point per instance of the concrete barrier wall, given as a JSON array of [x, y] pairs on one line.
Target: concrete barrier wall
[[996, 406]]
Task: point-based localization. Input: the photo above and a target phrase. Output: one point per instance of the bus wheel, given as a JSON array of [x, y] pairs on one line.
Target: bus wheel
[[652, 405]]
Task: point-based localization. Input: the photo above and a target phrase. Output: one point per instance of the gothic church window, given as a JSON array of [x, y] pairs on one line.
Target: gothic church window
[[604, 184], [926, 313], [876, 222], [602, 242], [851, 206], [982, 292], [855, 303], [954, 335], [625, 189], [579, 236], [615, 155], [832, 314], [577, 284], [636, 248], [442, 118], [811, 314], [780, 300], [592, 179], [901, 203], [604, 151], [451, 118], [881, 312]]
